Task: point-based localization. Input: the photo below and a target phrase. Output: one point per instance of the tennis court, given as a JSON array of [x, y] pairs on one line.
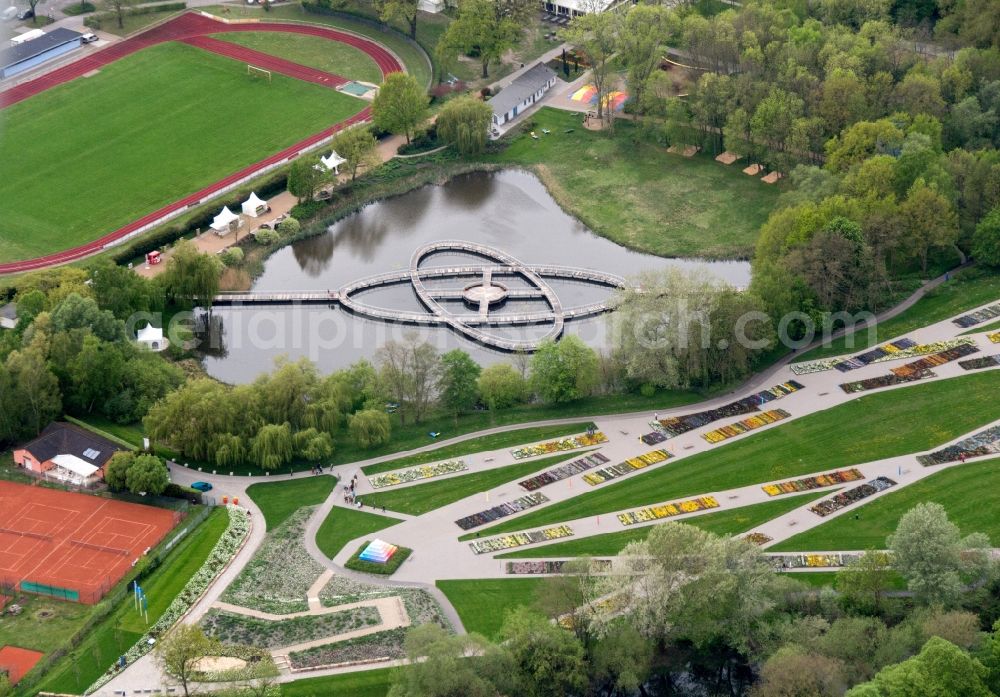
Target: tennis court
[[72, 546]]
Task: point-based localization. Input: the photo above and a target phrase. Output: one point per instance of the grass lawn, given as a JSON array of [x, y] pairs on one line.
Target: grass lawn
[[482, 604], [507, 439], [104, 644], [819, 579], [730, 522], [314, 51], [635, 193], [131, 22], [44, 624], [278, 500], [345, 524], [876, 426], [151, 128], [365, 683], [970, 493], [421, 498], [356, 563], [988, 327], [967, 289]]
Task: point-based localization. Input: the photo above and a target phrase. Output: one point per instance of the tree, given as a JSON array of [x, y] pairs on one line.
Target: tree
[[643, 30], [400, 105], [118, 7], [37, 390], [116, 471], [445, 665], [147, 475], [548, 661], [457, 381], [930, 553], [405, 10], [272, 446], [941, 668], [464, 122], [863, 581], [359, 147], [191, 276], [930, 220], [179, 650], [123, 292], [490, 27], [96, 373], [791, 671], [304, 179], [565, 370], [596, 35], [501, 386], [409, 371], [6, 689], [312, 445], [369, 428], [986, 241]]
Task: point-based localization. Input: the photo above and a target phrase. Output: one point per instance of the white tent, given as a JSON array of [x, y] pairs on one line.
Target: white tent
[[221, 222], [70, 468], [151, 337], [253, 206], [333, 161]]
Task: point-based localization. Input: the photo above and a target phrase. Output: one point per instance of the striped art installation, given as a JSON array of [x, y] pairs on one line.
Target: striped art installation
[[378, 552]]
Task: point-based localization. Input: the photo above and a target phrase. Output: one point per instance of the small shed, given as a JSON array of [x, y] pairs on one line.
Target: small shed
[[150, 337], [333, 161], [8, 316], [254, 206], [26, 54], [525, 90], [225, 221]]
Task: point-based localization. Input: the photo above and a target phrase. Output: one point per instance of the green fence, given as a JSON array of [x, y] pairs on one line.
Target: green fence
[[53, 591]]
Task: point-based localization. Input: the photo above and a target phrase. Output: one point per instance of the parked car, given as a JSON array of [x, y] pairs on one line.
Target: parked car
[[8, 14], [26, 14], [202, 486], [89, 38]]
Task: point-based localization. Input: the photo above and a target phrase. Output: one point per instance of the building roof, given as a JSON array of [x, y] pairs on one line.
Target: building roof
[[523, 86], [61, 438], [8, 311], [149, 333], [36, 47], [75, 465]]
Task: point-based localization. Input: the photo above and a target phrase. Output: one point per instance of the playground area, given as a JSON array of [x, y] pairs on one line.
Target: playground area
[[72, 546]]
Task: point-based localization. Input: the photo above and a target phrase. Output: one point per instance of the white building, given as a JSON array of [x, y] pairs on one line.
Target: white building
[[150, 337], [567, 9], [527, 89]]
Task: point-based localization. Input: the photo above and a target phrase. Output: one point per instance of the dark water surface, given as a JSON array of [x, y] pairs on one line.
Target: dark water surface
[[509, 210]]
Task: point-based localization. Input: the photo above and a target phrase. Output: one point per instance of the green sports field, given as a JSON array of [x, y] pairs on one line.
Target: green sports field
[[86, 157], [314, 51]]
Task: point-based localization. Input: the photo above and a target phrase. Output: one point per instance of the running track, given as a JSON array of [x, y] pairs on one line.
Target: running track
[[192, 29]]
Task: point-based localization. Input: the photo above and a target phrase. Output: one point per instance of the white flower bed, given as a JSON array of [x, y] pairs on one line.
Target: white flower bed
[[416, 473], [223, 552]]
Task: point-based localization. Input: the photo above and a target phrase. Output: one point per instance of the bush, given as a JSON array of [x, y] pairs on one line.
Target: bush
[[266, 237], [232, 256], [78, 9], [421, 143], [176, 491], [289, 226]]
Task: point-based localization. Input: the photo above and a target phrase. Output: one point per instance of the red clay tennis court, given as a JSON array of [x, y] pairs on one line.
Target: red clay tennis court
[[72, 546], [16, 661]]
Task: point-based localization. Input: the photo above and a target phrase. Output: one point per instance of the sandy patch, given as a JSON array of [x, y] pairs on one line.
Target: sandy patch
[[215, 664]]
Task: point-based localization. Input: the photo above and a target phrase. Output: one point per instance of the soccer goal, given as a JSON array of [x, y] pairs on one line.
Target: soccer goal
[[254, 72]]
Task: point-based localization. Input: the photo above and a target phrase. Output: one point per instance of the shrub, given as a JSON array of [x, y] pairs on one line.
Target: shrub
[[232, 256], [266, 237], [289, 226]]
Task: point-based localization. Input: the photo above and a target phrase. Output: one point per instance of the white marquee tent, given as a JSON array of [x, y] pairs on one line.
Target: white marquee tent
[[221, 222], [333, 161], [253, 206], [151, 337], [70, 468]]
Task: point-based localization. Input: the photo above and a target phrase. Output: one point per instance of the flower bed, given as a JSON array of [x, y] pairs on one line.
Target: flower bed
[[672, 426], [808, 483], [223, 552], [653, 437], [644, 515], [414, 474], [852, 496], [980, 363], [978, 317], [935, 360], [811, 561], [356, 563], [630, 465], [994, 337], [745, 425], [529, 568], [883, 381], [563, 472], [555, 446], [365, 649], [279, 575], [757, 538], [501, 511], [983, 443], [886, 352], [934, 347], [520, 539], [232, 628]]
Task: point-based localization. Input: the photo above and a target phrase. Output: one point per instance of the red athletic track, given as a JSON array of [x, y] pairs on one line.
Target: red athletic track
[[192, 29]]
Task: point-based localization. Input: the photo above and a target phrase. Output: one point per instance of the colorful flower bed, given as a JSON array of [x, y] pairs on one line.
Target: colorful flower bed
[[555, 446], [978, 317], [811, 561], [757, 538], [745, 425], [852, 496], [520, 539], [924, 364], [672, 426], [653, 437], [223, 552], [645, 515], [564, 471], [630, 465], [934, 347], [529, 568], [984, 443], [501, 511], [416, 473], [883, 381], [808, 483], [889, 351], [980, 363]]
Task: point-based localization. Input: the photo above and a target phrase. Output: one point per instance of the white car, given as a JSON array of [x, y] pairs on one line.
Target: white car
[[89, 38]]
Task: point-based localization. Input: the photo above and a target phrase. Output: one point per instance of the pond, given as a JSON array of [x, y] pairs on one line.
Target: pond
[[508, 211]]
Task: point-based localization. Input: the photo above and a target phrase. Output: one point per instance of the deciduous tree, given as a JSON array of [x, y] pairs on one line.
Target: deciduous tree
[[179, 650], [565, 370], [272, 446], [400, 105], [596, 35], [457, 381], [501, 386], [464, 122], [191, 276], [357, 146], [116, 471], [369, 428], [147, 475]]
